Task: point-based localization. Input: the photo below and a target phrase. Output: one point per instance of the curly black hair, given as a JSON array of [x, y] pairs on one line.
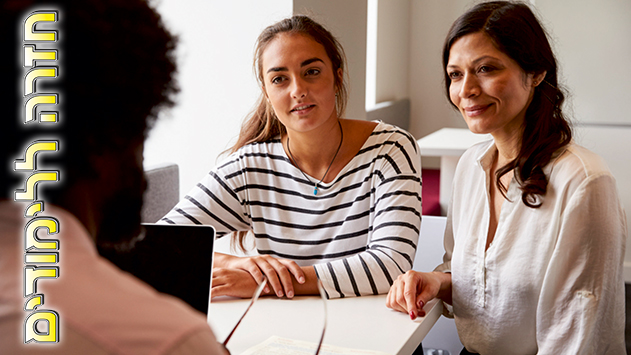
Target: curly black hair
[[116, 68]]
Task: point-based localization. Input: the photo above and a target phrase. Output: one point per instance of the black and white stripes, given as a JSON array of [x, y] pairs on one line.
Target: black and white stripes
[[360, 232]]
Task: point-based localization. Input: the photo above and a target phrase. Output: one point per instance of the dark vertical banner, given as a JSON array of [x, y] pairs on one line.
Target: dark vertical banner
[[39, 52]]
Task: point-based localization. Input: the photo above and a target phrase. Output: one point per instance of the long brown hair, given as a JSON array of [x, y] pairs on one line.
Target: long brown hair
[[262, 124], [515, 30]]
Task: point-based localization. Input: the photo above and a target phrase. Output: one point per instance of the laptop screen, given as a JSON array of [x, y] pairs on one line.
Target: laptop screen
[[174, 259]]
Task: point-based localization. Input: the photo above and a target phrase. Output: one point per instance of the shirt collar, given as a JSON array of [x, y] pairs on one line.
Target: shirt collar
[[485, 159]]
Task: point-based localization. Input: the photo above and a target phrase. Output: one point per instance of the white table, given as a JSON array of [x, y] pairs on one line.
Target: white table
[[359, 322], [448, 144]]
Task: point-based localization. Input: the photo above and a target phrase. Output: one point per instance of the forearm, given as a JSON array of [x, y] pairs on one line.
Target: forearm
[[285, 278], [222, 260], [310, 286], [444, 292]]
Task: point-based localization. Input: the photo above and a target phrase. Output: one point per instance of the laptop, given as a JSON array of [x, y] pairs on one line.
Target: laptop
[[173, 259]]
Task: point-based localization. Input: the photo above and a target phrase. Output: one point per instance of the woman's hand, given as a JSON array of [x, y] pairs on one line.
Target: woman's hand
[[277, 271], [412, 290], [234, 283]]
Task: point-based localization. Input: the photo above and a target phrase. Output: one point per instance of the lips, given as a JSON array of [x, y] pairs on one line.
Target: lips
[[302, 108], [476, 110]]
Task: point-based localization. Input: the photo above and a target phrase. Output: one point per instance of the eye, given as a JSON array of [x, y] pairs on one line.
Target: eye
[[486, 69], [277, 80], [454, 75], [312, 72]]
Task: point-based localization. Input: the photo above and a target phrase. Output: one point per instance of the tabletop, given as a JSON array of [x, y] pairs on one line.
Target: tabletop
[[450, 142], [363, 323]]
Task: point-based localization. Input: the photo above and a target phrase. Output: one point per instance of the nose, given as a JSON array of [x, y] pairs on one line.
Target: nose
[[298, 89], [470, 86]]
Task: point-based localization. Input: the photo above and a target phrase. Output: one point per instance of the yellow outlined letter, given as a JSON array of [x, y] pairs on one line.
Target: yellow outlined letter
[[33, 273], [29, 163], [30, 327], [31, 55], [34, 208], [34, 74], [34, 302], [30, 191], [34, 101], [33, 35], [41, 258], [30, 234]]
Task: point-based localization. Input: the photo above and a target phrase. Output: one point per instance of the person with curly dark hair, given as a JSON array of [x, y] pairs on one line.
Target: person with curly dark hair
[[535, 232], [116, 71]]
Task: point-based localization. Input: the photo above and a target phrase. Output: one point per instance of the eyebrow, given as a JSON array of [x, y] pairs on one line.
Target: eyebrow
[[304, 63], [476, 61]]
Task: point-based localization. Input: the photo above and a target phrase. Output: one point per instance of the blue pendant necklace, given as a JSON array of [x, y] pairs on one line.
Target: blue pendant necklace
[[316, 185]]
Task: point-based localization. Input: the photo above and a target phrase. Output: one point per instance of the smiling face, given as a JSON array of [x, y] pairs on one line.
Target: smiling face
[[299, 81], [489, 88]]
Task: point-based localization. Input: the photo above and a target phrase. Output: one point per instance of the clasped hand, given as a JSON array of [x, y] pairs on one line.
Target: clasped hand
[[239, 276]]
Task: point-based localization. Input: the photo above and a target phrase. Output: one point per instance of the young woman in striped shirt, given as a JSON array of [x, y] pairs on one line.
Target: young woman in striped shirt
[[325, 197]]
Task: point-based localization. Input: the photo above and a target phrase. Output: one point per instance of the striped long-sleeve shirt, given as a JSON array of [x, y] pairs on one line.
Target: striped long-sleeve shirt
[[359, 232]]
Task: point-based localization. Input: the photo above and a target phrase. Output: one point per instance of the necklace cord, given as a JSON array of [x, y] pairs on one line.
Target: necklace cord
[[317, 184]]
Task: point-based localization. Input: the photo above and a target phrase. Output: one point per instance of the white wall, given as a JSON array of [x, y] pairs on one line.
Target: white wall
[[593, 48], [215, 74], [215, 54], [393, 50], [371, 52], [429, 109], [346, 20]]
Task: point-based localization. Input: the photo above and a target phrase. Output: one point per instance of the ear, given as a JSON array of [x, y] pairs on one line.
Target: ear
[[340, 80], [538, 78], [265, 94]]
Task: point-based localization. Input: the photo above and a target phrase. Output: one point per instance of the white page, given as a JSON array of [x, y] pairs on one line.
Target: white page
[[275, 345]]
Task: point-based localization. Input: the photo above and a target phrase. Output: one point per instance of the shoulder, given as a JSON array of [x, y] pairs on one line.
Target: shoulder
[[578, 174], [272, 146], [578, 165], [582, 160], [385, 133], [253, 154], [105, 306], [125, 305], [109, 306]]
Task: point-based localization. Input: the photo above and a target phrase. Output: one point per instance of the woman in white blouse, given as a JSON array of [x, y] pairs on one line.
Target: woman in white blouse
[[535, 232]]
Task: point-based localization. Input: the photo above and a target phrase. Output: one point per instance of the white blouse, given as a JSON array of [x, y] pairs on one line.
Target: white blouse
[[551, 282]]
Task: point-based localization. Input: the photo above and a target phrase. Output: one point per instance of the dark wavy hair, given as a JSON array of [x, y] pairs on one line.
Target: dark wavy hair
[[515, 30], [116, 72]]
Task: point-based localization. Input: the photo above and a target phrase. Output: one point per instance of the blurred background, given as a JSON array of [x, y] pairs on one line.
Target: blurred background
[[394, 53]]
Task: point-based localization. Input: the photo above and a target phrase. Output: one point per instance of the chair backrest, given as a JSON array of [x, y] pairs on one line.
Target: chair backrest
[[393, 112], [430, 249], [163, 191]]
